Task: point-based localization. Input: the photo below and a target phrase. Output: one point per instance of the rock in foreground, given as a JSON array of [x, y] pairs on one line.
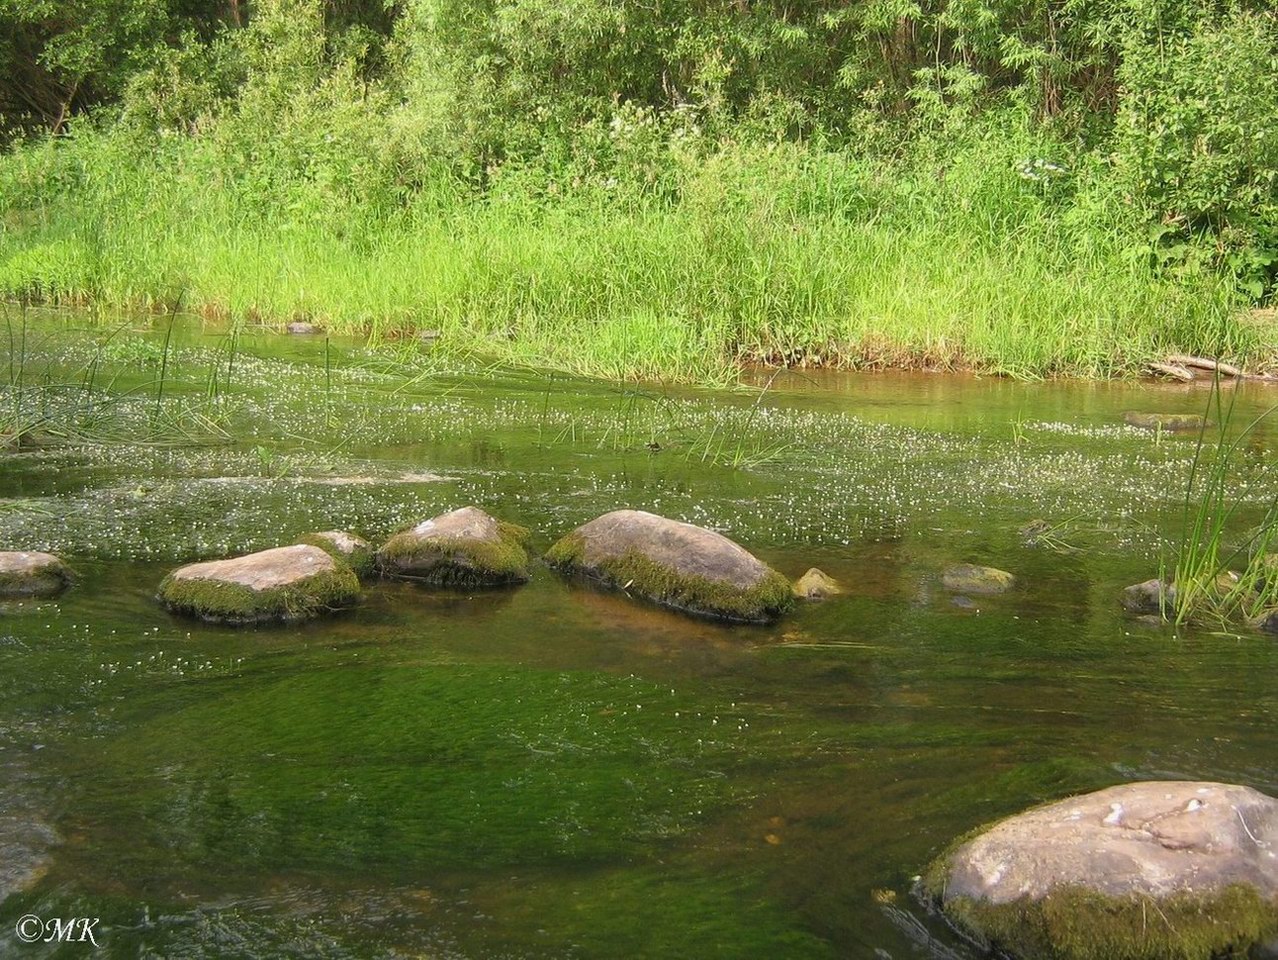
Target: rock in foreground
[[26, 574], [674, 564], [283, 584], [970, 578], [464, 548], [1145, 871]]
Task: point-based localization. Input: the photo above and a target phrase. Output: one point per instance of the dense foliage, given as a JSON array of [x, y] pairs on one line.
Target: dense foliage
[[1130, 139]]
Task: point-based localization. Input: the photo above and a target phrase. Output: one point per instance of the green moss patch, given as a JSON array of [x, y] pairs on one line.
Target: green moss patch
[[458, 561], [362, 560], [17, 586], [633, 572], [1074, 923], [233, 603]]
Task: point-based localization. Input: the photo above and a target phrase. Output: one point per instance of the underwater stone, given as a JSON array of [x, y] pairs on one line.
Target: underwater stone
[[1165, 421], [293, 583], [31, 574], [355, 552], [465, 547], [970, 578], [1152, 596], [816, 585], [1142, 871], [675, 564], [302, 328]]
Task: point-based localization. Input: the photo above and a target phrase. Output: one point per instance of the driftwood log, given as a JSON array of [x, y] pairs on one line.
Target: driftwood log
[[1202, 363], [1175, 371]]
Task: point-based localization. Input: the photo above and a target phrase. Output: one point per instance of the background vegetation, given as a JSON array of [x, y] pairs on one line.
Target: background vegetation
[[659, 189]]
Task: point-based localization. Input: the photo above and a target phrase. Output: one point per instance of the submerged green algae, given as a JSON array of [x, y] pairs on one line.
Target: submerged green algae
[[451, 766]]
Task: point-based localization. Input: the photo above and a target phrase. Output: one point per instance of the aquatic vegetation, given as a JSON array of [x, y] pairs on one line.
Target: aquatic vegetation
[[1212, 579]]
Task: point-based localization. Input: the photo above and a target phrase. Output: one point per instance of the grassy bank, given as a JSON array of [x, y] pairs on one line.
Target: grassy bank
[[968, 257]]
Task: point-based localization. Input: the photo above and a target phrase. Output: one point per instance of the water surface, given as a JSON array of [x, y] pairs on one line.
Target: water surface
[[553, 771]]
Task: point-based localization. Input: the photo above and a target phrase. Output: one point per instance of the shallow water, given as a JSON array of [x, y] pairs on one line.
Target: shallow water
[[552, 771]]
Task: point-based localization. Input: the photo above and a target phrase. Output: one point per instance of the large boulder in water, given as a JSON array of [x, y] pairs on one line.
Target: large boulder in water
[[282, 584], [31, 574], [465, 548], [674, 564], [1145, 871]]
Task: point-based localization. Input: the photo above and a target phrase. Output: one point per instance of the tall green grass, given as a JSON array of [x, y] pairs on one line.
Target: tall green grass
[[784, 254]]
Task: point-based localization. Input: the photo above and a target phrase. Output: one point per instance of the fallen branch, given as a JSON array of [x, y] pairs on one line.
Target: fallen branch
[[1175, 371], [1202, 363]]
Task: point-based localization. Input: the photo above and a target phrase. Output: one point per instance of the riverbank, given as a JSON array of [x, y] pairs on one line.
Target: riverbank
[[782, 255]]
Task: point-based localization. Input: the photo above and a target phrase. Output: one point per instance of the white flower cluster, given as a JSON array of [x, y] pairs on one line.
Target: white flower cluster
[[1039, 170]]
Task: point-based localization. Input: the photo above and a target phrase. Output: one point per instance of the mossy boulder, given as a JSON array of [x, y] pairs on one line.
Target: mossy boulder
[[355, 552], [816, 585], [464, 548], [286, 584], [1174, 422], [1144, 871], [1149, 597], [30, 574], [675, 564], [971, 578]]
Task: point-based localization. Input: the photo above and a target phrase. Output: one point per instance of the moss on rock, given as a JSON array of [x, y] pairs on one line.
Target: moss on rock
[[26, 574], [765, 600], [346, 548], [464, 548], [286, 584], [1074, 923]]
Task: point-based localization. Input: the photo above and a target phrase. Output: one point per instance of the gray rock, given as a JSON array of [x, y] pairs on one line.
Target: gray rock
[[465, 547], [1173, 422], [285, 583], [1068, 878], [303, 328], [1267, 622], [970, 578], [675, 564], [31, 574], [1152, 596], [816, 585]]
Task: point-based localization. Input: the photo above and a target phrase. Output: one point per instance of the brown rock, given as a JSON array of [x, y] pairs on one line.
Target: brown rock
[[675, 564], [31, 574], [465, 547]]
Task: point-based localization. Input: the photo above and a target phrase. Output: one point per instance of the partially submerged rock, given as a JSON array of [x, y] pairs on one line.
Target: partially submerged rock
[[303, 328], [1152, 596], [465, 548], [816, 585], [1165, 421], [1267, 622], [971, 578], [282, 584], [355, 552], [1145, 871], [675, 564], [31, 574]]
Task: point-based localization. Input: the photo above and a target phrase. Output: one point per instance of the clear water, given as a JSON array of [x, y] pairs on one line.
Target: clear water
[[551, 771]]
